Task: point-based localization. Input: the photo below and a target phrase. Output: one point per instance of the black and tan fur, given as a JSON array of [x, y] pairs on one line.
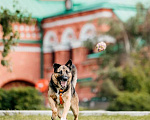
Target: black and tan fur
[[64, 77]]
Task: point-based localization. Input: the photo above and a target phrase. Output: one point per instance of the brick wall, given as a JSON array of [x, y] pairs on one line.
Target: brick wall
[[26, 67]]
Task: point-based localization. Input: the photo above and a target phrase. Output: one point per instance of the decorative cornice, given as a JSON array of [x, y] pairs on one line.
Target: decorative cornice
[[77, 19]]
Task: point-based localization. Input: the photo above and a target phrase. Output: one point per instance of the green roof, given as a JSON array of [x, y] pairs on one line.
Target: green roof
[[84, 79], [38, 9], [44, 9], [95, 55]]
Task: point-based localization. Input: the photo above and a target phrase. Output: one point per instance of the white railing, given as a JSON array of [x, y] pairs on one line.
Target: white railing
[[82, 113]]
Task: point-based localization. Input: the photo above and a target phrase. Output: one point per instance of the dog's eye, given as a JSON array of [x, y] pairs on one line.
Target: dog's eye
[[67, 71], [60, 72]]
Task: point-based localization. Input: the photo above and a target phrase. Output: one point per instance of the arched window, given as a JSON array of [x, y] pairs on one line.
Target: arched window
[[88, 31], [68, 36], [50, 40], [17, 83]]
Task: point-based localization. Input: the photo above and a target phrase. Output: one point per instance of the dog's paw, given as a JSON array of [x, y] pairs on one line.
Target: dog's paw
[[63, 119]]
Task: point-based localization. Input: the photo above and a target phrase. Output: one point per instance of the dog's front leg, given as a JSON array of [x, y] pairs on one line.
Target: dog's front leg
[[67, 104], [53, 107]]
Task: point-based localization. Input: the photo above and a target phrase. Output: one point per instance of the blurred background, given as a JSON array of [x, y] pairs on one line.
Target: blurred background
[[34, 34]]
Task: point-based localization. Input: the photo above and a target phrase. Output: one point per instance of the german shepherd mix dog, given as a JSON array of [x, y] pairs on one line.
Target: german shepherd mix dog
[[62, 95]]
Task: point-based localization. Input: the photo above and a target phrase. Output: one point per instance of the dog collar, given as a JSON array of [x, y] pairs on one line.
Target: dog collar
[[61, 91]]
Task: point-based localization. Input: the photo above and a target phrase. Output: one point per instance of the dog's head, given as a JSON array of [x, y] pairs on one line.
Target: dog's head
[[63, 74]]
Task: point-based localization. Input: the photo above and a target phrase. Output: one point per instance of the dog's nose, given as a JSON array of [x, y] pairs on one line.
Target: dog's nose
[[65, 78]]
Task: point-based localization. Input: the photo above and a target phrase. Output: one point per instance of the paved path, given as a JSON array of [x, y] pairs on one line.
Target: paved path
[[84, 113]]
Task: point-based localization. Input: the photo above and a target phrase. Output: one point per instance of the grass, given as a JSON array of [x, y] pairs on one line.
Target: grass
[[103, 117]]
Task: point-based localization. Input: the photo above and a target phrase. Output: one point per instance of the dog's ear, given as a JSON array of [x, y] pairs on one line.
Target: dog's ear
[[69, 63], [56, 66]]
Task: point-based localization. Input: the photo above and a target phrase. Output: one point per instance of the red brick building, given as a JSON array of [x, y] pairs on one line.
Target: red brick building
[[57, 37]]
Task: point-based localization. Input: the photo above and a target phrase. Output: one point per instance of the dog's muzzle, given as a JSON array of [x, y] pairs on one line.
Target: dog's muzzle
[[64, 81], [64, 78]]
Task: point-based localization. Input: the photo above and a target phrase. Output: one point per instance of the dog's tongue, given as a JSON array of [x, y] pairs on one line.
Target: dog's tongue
[[63, 83]]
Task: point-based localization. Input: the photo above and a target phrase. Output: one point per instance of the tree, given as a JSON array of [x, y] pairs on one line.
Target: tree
[[127, 33], [126, 69], [10, 37], [145, 27], [130, 79]]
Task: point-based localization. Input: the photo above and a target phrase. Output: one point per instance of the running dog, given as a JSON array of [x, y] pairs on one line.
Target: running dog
[[61, 94]]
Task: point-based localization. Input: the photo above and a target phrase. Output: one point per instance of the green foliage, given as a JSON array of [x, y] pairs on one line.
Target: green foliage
[[128, 73], [27, 98], [134, 24], [87, 84], [115, 27], [131, 102], [10, 37], [118, 31], [131, 79], [145, 28], [128, 33], [136, 76], [109, 90], [90, 43]]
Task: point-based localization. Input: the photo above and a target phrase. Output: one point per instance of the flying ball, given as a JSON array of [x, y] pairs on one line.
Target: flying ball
[[101, 46]]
